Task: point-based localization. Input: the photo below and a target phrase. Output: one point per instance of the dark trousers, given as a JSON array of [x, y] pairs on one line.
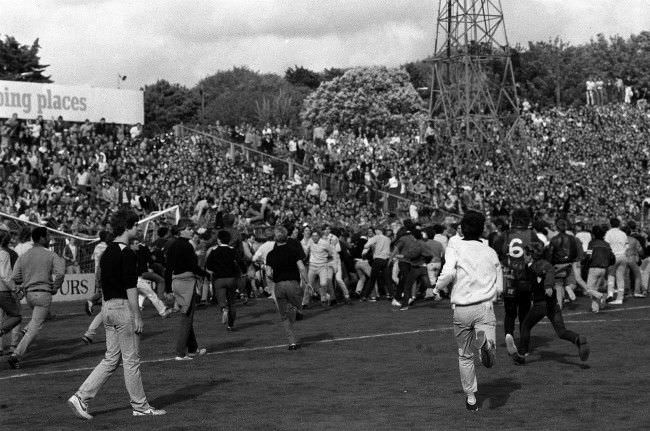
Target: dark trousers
[[551, 309], [225, 290], [402, 289], [516, 306], [419, 274], [11, 307], [378, 274], [186, 339]]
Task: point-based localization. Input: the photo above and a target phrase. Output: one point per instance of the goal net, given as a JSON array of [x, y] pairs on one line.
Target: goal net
[[78, 248]]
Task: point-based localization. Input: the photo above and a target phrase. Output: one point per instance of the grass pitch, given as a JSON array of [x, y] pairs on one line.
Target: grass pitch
[[361, 367]]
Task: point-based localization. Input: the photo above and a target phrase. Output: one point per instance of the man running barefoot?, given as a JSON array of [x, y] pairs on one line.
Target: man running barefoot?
[[475, 272], [122, 322]]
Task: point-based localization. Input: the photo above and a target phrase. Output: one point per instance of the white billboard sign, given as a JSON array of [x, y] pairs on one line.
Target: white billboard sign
[[74, 103]]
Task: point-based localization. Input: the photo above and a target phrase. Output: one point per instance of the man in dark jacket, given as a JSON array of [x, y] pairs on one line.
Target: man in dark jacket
[[541, 276], [564, 253], [181, 273], [598, 258]]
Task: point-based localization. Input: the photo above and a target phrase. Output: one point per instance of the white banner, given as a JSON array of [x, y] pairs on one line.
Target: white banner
[[74, 103], [75, 287]]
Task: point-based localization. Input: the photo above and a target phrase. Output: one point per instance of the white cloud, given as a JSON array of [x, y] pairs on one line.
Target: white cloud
[[91, 42]]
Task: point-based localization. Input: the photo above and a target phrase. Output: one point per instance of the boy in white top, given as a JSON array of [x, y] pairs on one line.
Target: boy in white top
[[474, 270]]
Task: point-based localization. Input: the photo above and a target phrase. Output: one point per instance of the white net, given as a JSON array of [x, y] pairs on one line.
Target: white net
[[77, 249]]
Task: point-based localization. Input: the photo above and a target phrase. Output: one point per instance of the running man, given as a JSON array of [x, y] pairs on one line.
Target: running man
[[474, 270]]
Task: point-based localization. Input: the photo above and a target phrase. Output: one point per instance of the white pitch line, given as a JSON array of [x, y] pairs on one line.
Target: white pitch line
[[331, 340]]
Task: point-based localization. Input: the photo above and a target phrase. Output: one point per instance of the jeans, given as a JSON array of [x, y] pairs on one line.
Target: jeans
[[11, 312], [379, 275], [288, 295], [145, 291], [551, 309], [467, 321], [184, 292], [94, 325], [516, 301], [40, 304], [225, 290], [121, 341]]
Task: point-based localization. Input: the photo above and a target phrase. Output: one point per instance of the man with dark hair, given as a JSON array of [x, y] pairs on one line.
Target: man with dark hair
[[287, 270], [542, 277], [181, 274], [8, 300], [221, 263], [40, 272], [599, 257], [510, 248], [564, 252], [122, 321], [379, 245], [475, 272]]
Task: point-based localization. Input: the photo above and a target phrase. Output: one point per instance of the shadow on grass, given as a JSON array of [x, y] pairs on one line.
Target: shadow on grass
[[185, 393], [228, 345], [253, 324], [497, 391], [313, 339], [549, 355]]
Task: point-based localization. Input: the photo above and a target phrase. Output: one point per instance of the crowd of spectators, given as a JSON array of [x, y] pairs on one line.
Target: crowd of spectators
[[585, 162]]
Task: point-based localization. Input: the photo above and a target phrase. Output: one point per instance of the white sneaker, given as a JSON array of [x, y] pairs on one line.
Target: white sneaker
[[411, 300], [79, 408], [149, 412], [510, 344], [617, 302], [199, 352], [165, 314], [183, 358], [396, 303]]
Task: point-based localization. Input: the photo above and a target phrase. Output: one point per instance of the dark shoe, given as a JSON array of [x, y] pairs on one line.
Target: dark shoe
[[294, 346], [299, 316], [486, 350], [583, 348], [610, 299], [87, 340], [13, 362], [471, 407], [518, 358]]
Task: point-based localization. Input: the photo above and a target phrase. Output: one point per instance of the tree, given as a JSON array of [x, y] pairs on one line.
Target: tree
[[168, 104], [241, 95], [21, 62], [331, 73], [373, 97], [299, 75]]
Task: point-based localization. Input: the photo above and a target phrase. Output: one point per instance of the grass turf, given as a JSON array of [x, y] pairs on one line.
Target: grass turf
[[403, 374]]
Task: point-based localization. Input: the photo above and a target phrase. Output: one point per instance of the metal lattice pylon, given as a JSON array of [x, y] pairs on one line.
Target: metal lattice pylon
[[473, 91]]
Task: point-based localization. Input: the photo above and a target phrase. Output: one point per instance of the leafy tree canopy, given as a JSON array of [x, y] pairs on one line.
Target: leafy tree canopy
[[365, 97], [168, 104], [21, 62]]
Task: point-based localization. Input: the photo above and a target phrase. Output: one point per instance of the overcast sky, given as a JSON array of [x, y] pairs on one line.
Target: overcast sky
[[92, 41]]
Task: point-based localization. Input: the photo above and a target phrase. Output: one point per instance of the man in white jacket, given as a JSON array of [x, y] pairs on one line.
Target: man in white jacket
[[474, 271]]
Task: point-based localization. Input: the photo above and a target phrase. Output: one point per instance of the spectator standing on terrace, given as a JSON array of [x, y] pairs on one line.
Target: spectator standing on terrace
[[287, 271], [122, 321], [182, 272], [617, 239], [591, 90], [475, 273], [40, 272]]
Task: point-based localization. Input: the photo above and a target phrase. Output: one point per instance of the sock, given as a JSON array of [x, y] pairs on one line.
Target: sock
[[471, 399]]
